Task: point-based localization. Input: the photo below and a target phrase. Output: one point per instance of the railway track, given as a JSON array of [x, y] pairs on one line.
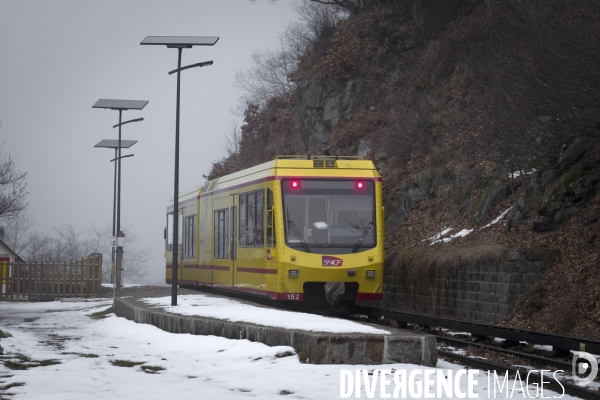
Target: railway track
[[512, 336]]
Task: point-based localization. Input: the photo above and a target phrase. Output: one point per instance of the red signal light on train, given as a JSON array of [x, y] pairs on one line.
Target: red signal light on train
[[295, 184], [360, 185]]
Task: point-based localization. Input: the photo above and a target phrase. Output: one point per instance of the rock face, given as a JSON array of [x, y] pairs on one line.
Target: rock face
[[555, 196], [496, 192], [571, 152], [572, 192], [322, 108], [364, 147], [401, 207], [531, 198]]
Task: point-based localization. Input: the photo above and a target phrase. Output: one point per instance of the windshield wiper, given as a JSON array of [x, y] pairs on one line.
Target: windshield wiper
[[296, 232], [362, 237]]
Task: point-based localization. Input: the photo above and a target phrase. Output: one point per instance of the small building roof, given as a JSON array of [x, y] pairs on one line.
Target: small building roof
[[10, 251]]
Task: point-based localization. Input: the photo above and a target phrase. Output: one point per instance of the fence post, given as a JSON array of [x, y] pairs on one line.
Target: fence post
[[99, 273], [88, 269], [7, 283], [20, 285], [94, 274], [43, 281], [81, 270]]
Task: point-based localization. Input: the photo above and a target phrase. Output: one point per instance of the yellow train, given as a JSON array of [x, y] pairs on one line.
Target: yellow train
[[298, 228]]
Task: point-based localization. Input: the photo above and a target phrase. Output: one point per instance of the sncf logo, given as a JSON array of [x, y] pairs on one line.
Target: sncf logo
[[330, 261]]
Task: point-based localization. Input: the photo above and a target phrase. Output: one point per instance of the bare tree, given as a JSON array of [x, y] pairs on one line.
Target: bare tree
[[12, 188], [231, 144], [134, 258], [318, 21], [16, 232], [269, 76], [353, 6]]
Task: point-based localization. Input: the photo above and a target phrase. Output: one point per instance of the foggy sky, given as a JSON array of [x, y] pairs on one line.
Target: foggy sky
[[57, 58]]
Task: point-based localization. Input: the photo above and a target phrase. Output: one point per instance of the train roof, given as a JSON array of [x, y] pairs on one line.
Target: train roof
[[188, 193], [287, 166]]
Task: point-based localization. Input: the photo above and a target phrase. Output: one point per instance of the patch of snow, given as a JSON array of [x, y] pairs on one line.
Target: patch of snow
[[462, 233], [110, 285], [543, 347], [436, 237], [235, 311], [516, 174], [498, 218]]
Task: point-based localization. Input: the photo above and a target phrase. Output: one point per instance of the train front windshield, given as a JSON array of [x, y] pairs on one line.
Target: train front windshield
[[329, 216]]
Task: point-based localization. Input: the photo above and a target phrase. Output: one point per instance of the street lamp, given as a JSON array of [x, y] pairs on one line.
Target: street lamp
[[114, 144], [179, 43], [120, 105]]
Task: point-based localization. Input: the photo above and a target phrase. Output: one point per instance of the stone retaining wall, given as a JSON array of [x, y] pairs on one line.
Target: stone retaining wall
[[474, 288], [319, 347]]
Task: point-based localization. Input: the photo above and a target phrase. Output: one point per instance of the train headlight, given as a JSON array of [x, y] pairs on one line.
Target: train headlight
[[330, 164], [293, 272], [370, 273]]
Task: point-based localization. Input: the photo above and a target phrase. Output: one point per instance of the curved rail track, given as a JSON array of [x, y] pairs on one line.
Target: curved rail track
[[561, 345]]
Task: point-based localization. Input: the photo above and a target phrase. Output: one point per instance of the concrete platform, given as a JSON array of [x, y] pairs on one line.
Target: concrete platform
[[319, 347]]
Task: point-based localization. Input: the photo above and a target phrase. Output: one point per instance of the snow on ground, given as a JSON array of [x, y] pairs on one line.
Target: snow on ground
[[235, 311], [205, 367]]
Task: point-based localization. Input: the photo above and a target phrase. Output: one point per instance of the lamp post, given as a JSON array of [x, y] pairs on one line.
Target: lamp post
[[114, 144], [120, 105], [179, 43]]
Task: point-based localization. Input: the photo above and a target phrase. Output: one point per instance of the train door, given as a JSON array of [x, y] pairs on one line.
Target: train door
[[205, 217], [232, 238], [180, 255], [4, 275]]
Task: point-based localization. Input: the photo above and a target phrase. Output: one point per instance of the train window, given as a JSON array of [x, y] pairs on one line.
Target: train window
[[170, 233], [233, 235], [189, 226], [243, 198], [270, 225], [259, 233], [329, 215], [252, 215], [250, 220], [221, 234]]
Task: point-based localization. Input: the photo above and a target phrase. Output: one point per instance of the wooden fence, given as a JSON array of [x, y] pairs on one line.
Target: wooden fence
[[34, 281]]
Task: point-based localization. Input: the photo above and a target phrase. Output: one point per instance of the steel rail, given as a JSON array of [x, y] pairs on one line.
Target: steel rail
[[474, 328], [565, 366], [569, 388]]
